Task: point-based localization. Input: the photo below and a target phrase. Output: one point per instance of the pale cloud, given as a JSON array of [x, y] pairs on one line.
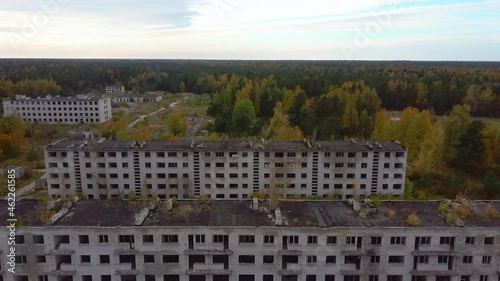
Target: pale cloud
[[250, 29]]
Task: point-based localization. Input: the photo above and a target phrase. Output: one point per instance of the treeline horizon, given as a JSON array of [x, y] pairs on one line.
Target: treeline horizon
[[432, 85]]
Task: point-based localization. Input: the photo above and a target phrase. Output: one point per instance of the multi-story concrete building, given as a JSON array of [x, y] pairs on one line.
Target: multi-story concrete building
[[116, 240], [67, 110], [115, 89], [225, 169]]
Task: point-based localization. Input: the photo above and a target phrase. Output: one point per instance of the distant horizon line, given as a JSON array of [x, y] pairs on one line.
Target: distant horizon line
[[244, 59]]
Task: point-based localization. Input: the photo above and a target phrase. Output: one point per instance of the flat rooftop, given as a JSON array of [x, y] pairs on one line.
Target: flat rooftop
[[226, 213], [229, 145], [58, 98]]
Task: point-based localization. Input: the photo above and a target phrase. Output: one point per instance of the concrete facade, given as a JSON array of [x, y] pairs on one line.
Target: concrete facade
[[66, 110], [225, 169], [115, 89], [171, 245]]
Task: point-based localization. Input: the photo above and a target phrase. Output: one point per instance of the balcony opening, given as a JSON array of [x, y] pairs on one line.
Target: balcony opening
[[149, 278], [443, 278], [128, 259], [221, 278], [86, 277], [195, 259], [224, 259], [246, 259], [289, 259], [356, 260], [60, 239], [418, 278], [197, 278], [62, 259], [289, 278]]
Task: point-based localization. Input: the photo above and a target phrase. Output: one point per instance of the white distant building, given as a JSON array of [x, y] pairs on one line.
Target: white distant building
[[66, 110], [115, 89]]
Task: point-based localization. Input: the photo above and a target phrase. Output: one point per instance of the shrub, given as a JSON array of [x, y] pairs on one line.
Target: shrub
[[452, 218], [491, 212], [413, 219], [295, 220], [392, 213], [443, 207], [308, 223]]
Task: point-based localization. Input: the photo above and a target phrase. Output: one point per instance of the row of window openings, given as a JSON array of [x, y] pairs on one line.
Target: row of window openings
[[269, 259], [60, 113], [243, 239], [59, 120], [233, 154], [56, 102], [267, 277]]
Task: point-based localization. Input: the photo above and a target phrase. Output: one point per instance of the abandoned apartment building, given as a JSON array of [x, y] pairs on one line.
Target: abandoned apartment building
[[225, 169], [252, 240]]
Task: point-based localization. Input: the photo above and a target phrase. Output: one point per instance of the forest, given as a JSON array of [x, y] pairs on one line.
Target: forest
[[446, 111], [437, 86]]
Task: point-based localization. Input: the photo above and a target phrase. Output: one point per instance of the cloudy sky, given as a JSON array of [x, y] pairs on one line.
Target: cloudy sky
[[252, 29]]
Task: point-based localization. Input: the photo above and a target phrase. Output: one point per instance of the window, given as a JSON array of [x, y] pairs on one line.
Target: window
[[40, 259], [149, 258], [486, 259], [423, 259], [469, 241], [375, 259], [398, 240], [329, 277], [147, 239], [20, 259], [292, 239], [268, 259], [375, 240], [387, 154], [170, 258], [483, 277], [443, 259], [38, 239], [218, 239], [424, 240], [126, 238], [268, 239], [351, 277], [312, 239], [246, 259], [331, 259], [467, 259], [350, 240], [199, 238], [83, 239], [331, 240], [19, 239], [465, 278], [394, 277], [85, 259], [104, 259], [244, 239], [373, 278], [445, 240], [312, 259], [103, 239], [489, 240]]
